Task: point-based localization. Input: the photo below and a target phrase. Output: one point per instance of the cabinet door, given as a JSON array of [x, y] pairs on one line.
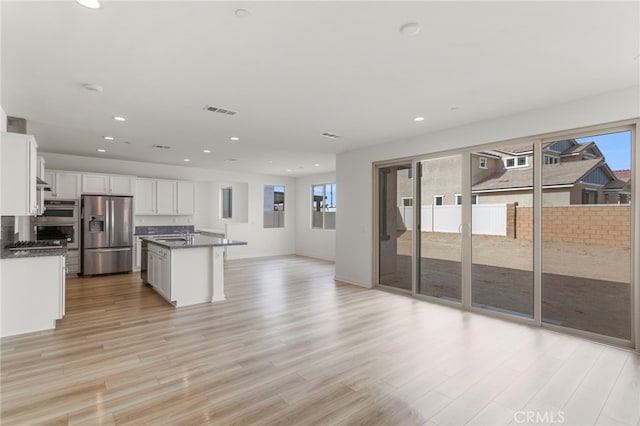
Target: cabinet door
[[185, 197], [166, 198], [95, 184], [151, 270], [121, 185], [33, 177], [18, 170], [67, 185], [165, 274], [145, 196]]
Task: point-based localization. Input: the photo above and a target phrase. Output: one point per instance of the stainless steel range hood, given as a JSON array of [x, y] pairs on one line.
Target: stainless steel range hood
[[43, 185]]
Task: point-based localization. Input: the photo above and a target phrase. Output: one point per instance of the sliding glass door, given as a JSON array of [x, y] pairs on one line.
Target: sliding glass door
[[395, 222], [538, 230], [440, 237], [502, 229], [586, 234]]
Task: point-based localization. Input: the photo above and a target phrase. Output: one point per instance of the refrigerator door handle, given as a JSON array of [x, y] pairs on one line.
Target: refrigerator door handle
[[107, 223], [107, 250], [112, 237]]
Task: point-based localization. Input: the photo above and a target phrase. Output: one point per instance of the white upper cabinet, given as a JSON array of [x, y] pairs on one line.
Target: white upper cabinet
[[166, 198], [107, 184], [19, 175], [145, 198], [95, 184], [121, 185], [185, 197], [63, 184]]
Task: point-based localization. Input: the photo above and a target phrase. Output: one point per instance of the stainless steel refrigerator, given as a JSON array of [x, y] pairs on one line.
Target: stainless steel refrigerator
[[107, 234]]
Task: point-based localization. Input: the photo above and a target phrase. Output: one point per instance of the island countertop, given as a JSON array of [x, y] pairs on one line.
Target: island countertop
[[199, 241]]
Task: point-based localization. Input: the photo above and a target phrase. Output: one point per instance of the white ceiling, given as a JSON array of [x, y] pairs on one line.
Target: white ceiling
[[294, 70]]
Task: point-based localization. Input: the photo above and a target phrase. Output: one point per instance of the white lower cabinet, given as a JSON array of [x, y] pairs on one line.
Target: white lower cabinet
[[32, 294], [159, 270]]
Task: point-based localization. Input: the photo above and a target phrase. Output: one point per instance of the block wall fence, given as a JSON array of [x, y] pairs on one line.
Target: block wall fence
[[605, 225]]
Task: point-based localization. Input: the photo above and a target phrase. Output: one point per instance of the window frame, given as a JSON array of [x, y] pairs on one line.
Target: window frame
[[323, 206], [435, 197], [483, 163]]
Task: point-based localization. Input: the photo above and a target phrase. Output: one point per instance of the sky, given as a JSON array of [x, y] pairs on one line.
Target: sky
[[616, 148]]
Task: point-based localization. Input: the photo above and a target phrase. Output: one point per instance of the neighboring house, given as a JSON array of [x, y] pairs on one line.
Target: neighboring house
[[572, 173]]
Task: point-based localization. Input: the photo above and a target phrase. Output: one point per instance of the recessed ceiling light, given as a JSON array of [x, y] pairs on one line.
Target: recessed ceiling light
[[270, 162], [126, 142], [119, 118], [186, 160], [101, 150], [418, 119], [230, 160], [316, 165], [91, 4], [289, 170], [410, 29], [242, 13], [108, 138], [454, 108], [234, 138], [93, 87], [206, 151]]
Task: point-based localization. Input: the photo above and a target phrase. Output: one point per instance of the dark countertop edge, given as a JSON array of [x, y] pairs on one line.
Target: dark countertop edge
[[6, 254], [235, 243], [201, 244]]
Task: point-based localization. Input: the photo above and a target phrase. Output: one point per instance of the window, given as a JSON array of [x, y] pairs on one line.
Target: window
[[323, 202], [407, 201], [483, 163], [516, 162], [474, 199], [550, 159], [438, 200], [226, 203], [273, 206], [589, 196]]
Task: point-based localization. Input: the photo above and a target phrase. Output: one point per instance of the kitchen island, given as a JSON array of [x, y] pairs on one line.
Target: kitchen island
[[187, 270]]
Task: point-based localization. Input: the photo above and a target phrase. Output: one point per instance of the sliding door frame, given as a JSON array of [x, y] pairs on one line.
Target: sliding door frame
[[466, 256]]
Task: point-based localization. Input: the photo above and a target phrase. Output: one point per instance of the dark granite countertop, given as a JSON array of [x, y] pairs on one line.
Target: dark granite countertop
[[10, 254], [199, 241], [163, 230]]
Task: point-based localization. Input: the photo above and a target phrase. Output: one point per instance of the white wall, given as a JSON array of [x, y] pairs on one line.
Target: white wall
[[262, 242], [3, 120], [354, 237], [318, 243]]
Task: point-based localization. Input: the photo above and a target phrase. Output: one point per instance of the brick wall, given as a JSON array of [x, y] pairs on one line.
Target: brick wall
[[608, 225]]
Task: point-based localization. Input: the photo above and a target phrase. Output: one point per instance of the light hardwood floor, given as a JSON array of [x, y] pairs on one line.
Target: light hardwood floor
[[291, 346]]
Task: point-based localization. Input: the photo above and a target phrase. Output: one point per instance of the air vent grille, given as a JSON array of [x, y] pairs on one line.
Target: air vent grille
[[161, 146], [220, 110], [330, 135]]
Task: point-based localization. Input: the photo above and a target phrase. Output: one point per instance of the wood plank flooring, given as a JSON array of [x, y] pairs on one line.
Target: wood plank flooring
[[292, 347]]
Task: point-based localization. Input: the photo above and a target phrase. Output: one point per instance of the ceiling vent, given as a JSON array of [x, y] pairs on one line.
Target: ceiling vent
[[161, 146], [330, 135], [220, 110]]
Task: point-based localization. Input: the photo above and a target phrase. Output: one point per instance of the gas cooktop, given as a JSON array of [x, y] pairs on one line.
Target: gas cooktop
[[35, 245]]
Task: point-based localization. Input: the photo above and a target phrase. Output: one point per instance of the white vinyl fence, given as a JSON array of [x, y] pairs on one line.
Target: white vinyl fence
[[487, 219]]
